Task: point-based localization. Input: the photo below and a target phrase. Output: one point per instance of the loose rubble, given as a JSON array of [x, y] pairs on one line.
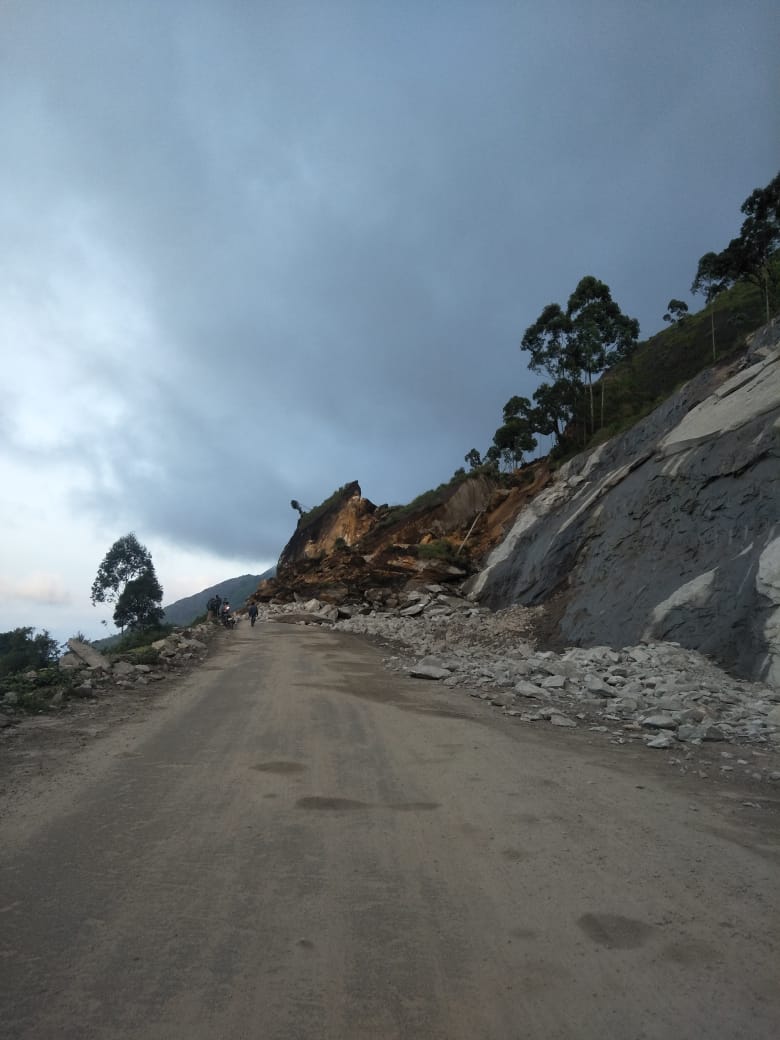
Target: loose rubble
[[89, 674], [660, 694], [181, 647], [657, 694]]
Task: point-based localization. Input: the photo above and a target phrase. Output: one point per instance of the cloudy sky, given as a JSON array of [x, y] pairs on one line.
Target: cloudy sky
[[250, 251]]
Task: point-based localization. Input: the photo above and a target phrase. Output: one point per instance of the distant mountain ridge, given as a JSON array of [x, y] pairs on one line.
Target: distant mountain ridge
[[235, 590]]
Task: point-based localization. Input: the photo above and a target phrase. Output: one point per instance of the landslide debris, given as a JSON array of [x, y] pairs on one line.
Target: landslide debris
[[350, 550], [659, 695]]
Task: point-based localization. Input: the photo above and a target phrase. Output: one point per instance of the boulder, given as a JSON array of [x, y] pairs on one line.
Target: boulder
[[429, 671], [659, 722], [87, 654], [554, 682], [562, 720], [663, 740], [595, 684], [529, 689]]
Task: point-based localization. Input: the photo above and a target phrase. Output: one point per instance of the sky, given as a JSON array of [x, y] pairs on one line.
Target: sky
[[251, 251]]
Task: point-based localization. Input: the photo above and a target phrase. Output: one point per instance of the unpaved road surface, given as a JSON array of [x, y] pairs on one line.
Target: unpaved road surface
[[291, 843]]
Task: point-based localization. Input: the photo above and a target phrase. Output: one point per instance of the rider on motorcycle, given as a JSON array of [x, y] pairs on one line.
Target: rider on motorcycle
[[227, 618]]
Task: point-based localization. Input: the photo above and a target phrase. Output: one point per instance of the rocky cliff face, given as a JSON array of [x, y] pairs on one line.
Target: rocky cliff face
[[669, 532], [349, 550], [344, 518]]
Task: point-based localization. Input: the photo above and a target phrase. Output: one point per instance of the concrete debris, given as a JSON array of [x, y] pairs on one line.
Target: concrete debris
[[82, 654]]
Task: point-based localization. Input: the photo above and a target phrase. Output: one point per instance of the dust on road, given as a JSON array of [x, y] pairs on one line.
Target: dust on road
[[291, 843]]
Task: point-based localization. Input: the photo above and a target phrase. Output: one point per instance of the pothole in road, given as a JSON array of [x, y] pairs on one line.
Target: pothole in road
[[317, 802], [336, 804], [279, 767], [614, 931]]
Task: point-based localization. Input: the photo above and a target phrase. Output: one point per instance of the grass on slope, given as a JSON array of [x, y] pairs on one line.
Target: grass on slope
[[661, 364]]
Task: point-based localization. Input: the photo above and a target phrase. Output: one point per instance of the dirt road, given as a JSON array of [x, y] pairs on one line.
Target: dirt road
[[293, 844]]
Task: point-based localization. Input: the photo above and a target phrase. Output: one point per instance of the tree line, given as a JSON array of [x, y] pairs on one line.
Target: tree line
[[573, 346], [748, 257], [570, 346]]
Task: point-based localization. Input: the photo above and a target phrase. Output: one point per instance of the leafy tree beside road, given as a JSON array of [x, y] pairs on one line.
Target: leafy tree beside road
[[127, 578]]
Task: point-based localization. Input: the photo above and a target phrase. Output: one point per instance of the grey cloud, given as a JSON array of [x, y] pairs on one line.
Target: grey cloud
[[338, 220]]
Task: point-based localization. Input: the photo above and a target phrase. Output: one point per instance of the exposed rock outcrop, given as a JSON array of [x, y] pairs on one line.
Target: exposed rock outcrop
[[349, 550], [345, 517], [669, 532], [80, 655]]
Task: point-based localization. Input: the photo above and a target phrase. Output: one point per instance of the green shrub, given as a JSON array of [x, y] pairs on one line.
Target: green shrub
[[142, 638], [145, 655], [33, 692], [317, 511], [427, 500], [441, 549]]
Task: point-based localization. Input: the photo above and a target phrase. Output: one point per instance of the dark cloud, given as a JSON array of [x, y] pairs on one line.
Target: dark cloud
[[322, 229]]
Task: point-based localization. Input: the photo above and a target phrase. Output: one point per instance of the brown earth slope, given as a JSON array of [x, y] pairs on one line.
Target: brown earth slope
[[348, 547]]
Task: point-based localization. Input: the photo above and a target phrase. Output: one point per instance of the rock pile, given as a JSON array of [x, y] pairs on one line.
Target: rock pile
[[87, 673], [658, 693], [180, 648]]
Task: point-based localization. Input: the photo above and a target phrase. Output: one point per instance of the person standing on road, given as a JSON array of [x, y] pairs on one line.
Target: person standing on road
[[252, 614]]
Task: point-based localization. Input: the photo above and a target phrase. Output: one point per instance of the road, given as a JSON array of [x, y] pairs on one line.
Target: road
[[293, 843]]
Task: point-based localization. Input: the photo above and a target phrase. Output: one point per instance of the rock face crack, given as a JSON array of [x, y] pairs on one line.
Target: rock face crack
[[738, 471]]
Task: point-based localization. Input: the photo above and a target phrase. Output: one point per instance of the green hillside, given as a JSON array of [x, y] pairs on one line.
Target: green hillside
[[664, 362]]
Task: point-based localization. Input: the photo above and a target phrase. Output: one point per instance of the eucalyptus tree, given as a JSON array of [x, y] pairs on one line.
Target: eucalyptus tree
[[574, 345], [676, 311], [711, 279], [751, 255], [601, 333], [473, 459], [516, 436]]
